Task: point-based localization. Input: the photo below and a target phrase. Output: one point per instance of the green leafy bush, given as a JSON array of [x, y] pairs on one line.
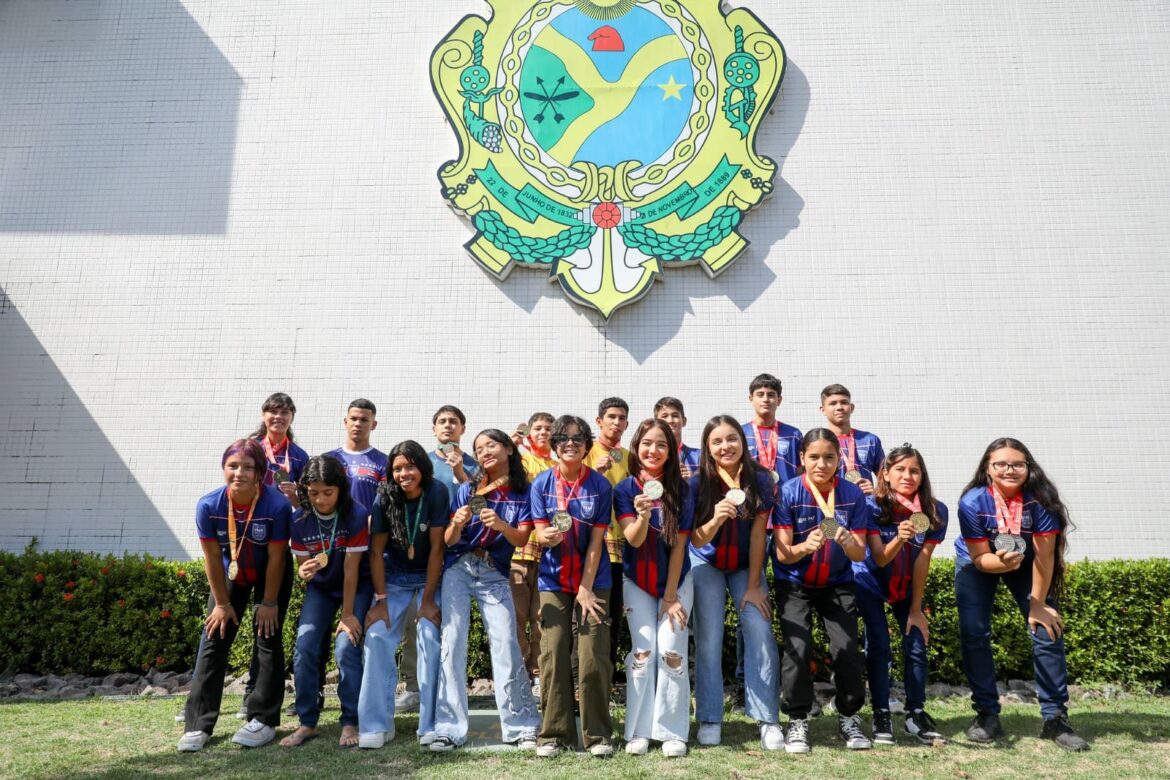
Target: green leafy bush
[[63, 612]]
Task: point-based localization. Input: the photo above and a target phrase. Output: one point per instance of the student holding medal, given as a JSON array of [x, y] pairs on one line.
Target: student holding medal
[[406, 564], [819, 530], [571, 510], [906, 524], [489, 518], [243, 529], [452, 466], [670, 411], [285, 459], [772, 444], [656, 511], [733, 500], [861, 451], [1014, 530], [329, 540], [537, 458]]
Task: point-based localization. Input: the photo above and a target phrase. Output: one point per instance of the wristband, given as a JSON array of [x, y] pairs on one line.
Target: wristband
[[379, 598]]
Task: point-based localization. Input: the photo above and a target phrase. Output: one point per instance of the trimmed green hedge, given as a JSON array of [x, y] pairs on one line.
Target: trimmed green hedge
[[63, 612]]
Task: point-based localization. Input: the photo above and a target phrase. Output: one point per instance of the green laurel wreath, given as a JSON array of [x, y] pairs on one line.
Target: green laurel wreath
[[689, 246], [533, 251]]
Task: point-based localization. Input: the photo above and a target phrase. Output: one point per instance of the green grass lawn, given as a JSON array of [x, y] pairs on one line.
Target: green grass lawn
[[96, 738]]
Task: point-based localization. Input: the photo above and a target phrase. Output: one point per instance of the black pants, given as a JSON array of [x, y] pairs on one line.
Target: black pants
[[282, 599], [839, 615], [206, 694]]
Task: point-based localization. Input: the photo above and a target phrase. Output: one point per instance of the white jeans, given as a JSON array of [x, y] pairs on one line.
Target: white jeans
[[658, 694]]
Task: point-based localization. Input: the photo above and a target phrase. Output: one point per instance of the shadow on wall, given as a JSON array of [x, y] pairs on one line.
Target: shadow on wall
[[643, 327], [60, 478], [119, 116]]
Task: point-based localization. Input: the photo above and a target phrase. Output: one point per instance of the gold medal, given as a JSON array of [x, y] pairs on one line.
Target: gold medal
[[563, 521], [322, 559], [615, 455], [921, 522], [410, 552], [477, 504], [522, 429], [829, 527], [736, 496], [853, 475], [233, 570]]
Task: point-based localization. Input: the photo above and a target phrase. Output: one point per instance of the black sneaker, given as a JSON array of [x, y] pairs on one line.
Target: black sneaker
[[985, 728], [740, 704], [921, 726], [1059, 731], [883, 728]]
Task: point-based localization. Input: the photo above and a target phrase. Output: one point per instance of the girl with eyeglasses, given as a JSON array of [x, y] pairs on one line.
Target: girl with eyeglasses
[[1014, 530]]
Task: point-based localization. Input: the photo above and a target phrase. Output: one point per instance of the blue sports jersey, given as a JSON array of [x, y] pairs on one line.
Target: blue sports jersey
[[445, 475], [270, 523], [787, 449], [508, 504], [647, 566], [798, 510], [297, 460], [591, 506], [366, 469], [688, 459], [978, 523], [730, 548], [893, 581], [310, 535], [868, 457]]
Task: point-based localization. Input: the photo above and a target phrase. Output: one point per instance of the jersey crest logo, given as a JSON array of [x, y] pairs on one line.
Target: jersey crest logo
[[259, 532], [604, 141], [587, 505]]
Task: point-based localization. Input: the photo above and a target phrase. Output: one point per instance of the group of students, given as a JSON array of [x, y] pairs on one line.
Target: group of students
[[561, 538]]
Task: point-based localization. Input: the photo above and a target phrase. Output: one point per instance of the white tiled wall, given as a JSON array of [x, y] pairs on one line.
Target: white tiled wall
[[204, 202]]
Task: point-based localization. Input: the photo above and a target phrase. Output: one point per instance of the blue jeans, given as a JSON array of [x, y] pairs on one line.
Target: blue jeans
[[878, 657], [474, 577], [761, 662], [974, 596], [317, 615], [376, 703]]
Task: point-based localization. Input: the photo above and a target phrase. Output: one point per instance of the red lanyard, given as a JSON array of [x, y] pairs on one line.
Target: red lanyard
[[766, 449], [848, 450], [1008, 512], [271, 453], [563, 499], [913, 506], [546, 454]]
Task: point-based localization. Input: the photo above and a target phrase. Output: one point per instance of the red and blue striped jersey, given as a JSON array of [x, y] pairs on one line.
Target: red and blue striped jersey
[[688, 457], [309, 536], [868, 455], [893, 581], [513, 507], [591, 506], [270, 523], [297, 460], [787, 450], [366, 470], [978, 522], [798, 509], [648, 564], [730, 548]]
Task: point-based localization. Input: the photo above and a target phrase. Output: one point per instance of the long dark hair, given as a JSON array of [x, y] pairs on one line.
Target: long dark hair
[[710, 490], [275, 403], [327, 469], [671, 477], [517, 476], [392, 495], [812, 437], [883, 493], [1039, 487]]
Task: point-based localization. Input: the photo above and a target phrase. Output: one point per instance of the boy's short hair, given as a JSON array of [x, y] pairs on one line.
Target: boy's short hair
[[540, 417], [453, 410], [765, 382], [363, 403], [610, 403], [667, 402], [836, 390]]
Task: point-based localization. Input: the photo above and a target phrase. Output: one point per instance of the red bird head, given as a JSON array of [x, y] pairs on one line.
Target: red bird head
[[607, 39]]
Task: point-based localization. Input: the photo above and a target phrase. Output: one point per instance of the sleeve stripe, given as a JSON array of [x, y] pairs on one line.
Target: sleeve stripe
[[1046, 533]]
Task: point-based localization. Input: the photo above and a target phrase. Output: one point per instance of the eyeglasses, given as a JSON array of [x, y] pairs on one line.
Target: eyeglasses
[[577, 439], [1003, 466]]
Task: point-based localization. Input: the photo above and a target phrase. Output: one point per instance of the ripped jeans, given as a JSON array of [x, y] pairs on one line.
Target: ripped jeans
[[658, 687], [474, 577]]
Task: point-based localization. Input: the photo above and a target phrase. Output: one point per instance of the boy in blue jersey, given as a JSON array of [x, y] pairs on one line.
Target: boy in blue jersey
[[861, 451], [772, 444], [670, 411], [365, 465], [453, 466]]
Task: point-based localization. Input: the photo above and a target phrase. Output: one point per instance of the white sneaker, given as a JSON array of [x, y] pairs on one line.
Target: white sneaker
[[771, 736], [850, 730], [193, 741], [527, 742], [674, 748], [374, 740], [536, 688], [254, 734], [407, 701], [601, 750], [710, 734], [548, 750], [638, 746], [797, 741], [442, 745], [426, 739]]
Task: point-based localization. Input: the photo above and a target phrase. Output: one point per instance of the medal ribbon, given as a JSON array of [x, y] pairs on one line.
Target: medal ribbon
[[1009, 513], [412, 531], [495, 483], [271, 454], [563, 499], [766, 448], [828, 506], [728, 480], [913, 506], [233, 548], [332, 533], [848, 444]]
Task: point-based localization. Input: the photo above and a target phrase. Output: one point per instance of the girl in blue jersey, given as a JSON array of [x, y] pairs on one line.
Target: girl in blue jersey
[[655, 511], [329, 542], [1013, 527], [406, 564], [819, 531], [571, 509], [733, 500], [489, 518], [243, 530], [906, 523]]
